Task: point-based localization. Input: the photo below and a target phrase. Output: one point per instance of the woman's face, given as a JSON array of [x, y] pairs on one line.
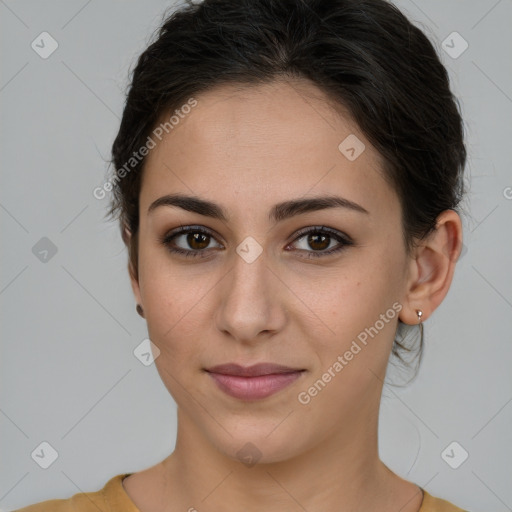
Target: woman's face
[[259, 288]]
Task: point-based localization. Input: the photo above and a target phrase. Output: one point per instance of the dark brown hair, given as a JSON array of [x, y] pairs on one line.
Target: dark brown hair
[[364, 54]]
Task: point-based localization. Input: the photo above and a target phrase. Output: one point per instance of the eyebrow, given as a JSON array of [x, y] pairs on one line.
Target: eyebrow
[[279, 212]]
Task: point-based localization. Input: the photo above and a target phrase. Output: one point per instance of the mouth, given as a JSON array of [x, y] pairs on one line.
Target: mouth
[[253, 382]]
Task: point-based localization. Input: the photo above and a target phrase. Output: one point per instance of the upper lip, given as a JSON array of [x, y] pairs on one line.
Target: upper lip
[[251, 371]]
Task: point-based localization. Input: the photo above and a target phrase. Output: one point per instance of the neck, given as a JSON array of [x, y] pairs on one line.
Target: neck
[[342, 472]]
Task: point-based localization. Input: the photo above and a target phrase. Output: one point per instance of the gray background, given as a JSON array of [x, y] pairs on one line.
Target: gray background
[[69, 327]]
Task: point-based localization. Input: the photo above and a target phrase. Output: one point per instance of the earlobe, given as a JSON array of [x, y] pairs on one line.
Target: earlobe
[[432, 268]]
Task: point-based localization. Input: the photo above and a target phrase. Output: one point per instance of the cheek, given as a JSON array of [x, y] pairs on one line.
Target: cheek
[[164, 286], [175, 315], [172, 305], [359, 302], [361, 314]]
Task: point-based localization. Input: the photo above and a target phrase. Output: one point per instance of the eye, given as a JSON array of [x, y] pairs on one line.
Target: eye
[[195, 237], [319, 238]]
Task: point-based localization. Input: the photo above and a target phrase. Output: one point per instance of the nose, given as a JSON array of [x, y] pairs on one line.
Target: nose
[[250, 301]]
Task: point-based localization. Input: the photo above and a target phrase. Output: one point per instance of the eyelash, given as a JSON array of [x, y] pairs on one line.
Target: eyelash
[[342, 238]]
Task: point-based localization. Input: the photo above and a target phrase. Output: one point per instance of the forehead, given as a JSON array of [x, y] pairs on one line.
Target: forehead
[[264, 143]]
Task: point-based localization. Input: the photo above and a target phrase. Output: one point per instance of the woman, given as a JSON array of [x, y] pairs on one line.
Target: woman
[[287, 181]]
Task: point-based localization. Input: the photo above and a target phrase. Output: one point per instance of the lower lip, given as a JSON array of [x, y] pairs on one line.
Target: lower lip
[[254, 388]]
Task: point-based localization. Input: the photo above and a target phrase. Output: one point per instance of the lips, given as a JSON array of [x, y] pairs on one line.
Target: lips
[[253, 382], [251, 371]]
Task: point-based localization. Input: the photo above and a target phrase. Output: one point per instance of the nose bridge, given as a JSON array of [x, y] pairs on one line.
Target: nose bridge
[[250, 300], [250, 275]]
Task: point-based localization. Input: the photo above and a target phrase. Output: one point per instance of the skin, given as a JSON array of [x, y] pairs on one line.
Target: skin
[[246, 149]]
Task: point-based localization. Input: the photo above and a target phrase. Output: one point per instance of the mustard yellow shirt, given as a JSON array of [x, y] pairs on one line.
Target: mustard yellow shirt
[[113, 498]]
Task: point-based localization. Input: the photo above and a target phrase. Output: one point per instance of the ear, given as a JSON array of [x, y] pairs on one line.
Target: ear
[[432, 267], [127, 236]]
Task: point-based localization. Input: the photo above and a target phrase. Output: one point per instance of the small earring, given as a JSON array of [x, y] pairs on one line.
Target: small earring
[[420, 314], [140, 310]]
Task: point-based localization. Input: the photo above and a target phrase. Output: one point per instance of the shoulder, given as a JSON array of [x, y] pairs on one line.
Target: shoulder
[[433, 504], [111, 498]]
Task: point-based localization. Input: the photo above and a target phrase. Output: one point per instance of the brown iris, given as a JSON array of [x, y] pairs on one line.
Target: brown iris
[[198, 238], [317, 241]]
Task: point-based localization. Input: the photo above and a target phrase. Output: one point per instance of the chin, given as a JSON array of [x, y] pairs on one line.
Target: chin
[[261, 442]]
